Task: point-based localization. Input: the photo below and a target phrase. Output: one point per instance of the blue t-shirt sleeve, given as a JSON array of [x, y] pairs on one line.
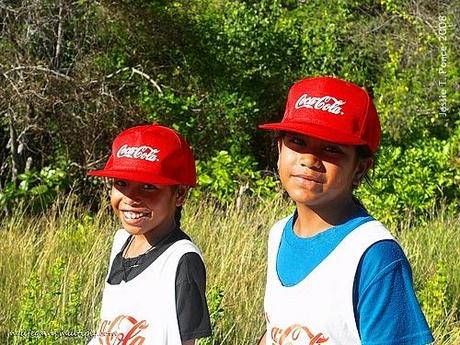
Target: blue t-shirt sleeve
[[386, 309]]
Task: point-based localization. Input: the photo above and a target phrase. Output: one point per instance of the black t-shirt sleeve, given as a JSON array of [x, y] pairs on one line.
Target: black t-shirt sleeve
[[191, 306]]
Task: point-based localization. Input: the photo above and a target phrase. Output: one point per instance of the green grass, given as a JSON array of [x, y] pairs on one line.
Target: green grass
[[52, 269]]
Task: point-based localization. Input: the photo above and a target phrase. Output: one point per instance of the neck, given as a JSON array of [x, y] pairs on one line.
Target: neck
[[143, 242], [313, 220], [156, 235]]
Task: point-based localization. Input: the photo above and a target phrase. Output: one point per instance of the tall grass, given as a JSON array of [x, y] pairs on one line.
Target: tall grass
[[52, 269]]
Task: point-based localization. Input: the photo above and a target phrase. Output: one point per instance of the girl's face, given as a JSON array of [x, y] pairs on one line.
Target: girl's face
[[317, 173], [145, 207]]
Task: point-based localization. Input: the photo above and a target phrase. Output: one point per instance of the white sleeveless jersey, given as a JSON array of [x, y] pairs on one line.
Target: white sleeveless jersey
[[143, 310], [319, 309]]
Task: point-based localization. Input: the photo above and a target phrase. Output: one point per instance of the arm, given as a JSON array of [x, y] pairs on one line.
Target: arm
[[262, 340], [189, 342], [191, 306], [386, 307]]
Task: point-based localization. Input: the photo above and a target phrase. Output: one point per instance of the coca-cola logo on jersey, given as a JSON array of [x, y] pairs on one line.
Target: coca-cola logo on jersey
[[296, 334], [325, 103], [124, 329], [139, 152]]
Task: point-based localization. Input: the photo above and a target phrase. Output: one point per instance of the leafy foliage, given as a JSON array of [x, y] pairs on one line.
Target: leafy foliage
[[36, 189], [225, 176], [413, 180], [76, 73]]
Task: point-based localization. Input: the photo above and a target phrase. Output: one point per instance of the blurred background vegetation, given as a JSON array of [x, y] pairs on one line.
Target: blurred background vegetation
[[76, 73], [73, 74]]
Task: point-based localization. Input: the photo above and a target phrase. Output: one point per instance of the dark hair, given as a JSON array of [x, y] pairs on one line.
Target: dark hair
[[178, 215], [363, 152], [178, 211]]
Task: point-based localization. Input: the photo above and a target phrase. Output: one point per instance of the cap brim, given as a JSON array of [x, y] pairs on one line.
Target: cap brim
[[136, 176], [316, 131]]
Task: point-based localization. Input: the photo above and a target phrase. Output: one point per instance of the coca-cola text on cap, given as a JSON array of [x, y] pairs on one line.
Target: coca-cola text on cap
[[151, 154], [333, 110]]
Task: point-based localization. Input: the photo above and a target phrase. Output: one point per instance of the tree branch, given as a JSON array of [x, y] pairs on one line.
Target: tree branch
[[41, 69], [138, 72], [16, 165], [57, 53]]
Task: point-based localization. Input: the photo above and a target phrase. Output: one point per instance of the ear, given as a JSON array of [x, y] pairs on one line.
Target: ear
[[181, 193], [362, 167]]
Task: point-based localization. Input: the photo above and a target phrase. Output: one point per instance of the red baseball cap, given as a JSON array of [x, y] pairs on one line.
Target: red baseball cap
[[331, 109], [151, 154]]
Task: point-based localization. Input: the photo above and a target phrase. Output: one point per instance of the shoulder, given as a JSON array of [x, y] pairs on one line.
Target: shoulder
[[178, 244], [190, 268], [384, 251], [383, 254], [370, 231], [382, 259], [385, 305], [191, 306], [379, 259]]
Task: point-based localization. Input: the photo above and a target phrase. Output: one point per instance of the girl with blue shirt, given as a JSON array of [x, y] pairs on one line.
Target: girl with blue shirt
[[335, 274]]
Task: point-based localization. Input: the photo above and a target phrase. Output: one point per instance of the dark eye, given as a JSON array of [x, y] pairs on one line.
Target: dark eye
[[296, 140], [148, 187], [119, 183], [333, 149]]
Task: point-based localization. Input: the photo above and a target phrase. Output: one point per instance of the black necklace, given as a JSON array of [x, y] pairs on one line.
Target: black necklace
[[129, 263]]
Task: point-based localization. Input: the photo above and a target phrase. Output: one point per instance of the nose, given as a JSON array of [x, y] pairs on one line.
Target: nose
[[131, 195], [310, 160]]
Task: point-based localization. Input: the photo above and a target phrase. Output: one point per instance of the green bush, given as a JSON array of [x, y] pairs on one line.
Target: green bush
[[221, 120], [226, 176], [36, 189], [215, 69], [413, 180]]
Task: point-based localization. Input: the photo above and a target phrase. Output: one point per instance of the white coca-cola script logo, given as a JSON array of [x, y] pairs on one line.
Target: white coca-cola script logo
[[326, 103], [138, 152]]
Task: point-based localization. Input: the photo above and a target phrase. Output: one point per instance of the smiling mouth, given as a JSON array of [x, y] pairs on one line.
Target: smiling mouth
[[134, 215], [308, 178]]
